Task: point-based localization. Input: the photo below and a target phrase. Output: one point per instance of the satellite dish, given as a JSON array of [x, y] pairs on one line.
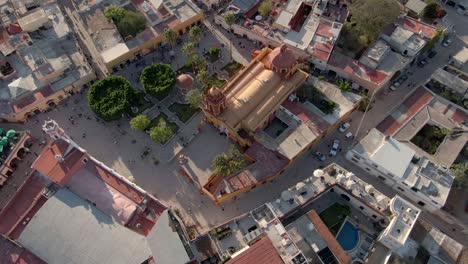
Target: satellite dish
[[258, 17]]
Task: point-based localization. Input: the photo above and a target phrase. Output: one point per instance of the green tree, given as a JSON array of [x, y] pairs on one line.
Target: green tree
[[171, 37], [460, 171], [203, 76], [140, 122], [195, 34], [158, 79], [199, 63], [365, 103], [114, 13], [194, 98], [265, 8], [131, 24], [189, 50], [431, 11], [110, 97], [162, 132], [370, 17], [344, 85], [230, 19], [228, 163]]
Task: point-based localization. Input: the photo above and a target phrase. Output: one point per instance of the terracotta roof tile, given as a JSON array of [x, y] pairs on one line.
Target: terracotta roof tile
[[418, 27], [459, 116], [262, 252], [326, 235]]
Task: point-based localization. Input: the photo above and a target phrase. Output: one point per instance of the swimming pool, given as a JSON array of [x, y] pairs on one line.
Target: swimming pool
[[348, 237]]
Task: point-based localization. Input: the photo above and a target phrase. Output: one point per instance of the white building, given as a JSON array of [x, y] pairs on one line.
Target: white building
[[405, 216], [395, 163]]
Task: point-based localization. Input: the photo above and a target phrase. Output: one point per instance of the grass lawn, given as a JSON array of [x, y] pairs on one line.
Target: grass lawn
[[163, 116], [232, 68], [183, 111], [138, 100], [334, 216], [429, 138]]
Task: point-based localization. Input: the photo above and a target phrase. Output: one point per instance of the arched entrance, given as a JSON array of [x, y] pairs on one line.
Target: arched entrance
[[14, 163]]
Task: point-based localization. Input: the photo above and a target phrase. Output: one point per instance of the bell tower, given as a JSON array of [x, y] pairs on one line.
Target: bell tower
[[215, 101]]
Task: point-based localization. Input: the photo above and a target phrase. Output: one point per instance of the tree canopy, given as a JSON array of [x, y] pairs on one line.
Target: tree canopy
[[110, 97], [195, 34], [228, 163], [140, 122], [370, 17], [460, 171], [171, 37], [158, 79], [189, 50], [194, 98], [432, 11], [344, 85], [230, 19], [265, 8], [129, 23], [161, 133]]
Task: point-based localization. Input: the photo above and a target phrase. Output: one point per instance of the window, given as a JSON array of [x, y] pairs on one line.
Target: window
[[361, 207], [400, 189], [346, 197], [414, 189], [375, 165], [374, 216], [434, 202], [389, 174], [421, 203], [367, 169], [405, 183], [355, 160], [381, 177], [356, 157]]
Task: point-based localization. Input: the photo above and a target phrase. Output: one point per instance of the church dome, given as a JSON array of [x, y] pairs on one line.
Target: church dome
[[184, 81]]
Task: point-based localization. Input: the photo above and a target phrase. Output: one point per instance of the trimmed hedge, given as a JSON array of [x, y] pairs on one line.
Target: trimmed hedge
[[158, 80], [110, 97]]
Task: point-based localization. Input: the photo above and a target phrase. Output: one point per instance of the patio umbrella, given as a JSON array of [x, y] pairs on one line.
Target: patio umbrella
[[300, 185], [4, 141], [11, 133], [318, 173], [1, 130]]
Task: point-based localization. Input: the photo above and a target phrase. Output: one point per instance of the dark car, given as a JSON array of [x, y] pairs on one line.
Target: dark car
[[320, 156], [451, 3], [422, 63], [432, 54]]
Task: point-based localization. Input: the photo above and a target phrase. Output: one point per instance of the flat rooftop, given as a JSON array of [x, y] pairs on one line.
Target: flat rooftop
[[451, 81], [405, 218], [93, 237]]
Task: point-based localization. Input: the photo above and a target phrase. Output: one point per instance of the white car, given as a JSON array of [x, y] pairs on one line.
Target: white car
[[334, 148], [447, 42], [344, 127]]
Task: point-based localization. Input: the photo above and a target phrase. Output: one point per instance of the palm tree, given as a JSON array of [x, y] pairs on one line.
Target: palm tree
[[171, 37], [203, 77], [199, 63], [195, 34], [189, 50], [344, 85]]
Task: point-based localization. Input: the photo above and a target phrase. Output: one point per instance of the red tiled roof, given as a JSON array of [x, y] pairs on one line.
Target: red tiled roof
[[262, 252], [324, 29], [281, 57], [353, 67], [21, 204], [459, 116], [388, 126], [11, 253], [14, 28], [409, 108], [59, 172], [418, 27], [322, 51], [314, 122], [327, 236]]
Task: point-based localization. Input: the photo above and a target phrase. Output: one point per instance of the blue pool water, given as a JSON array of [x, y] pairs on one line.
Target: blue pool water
[[348, 237]]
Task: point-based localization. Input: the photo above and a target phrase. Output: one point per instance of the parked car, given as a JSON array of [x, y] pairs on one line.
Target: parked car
[[432, 54], [334, 148], [451, 3], [344, 127], [393, 87], [422, 63], [348, 135], [320, 156], [447, 42]]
